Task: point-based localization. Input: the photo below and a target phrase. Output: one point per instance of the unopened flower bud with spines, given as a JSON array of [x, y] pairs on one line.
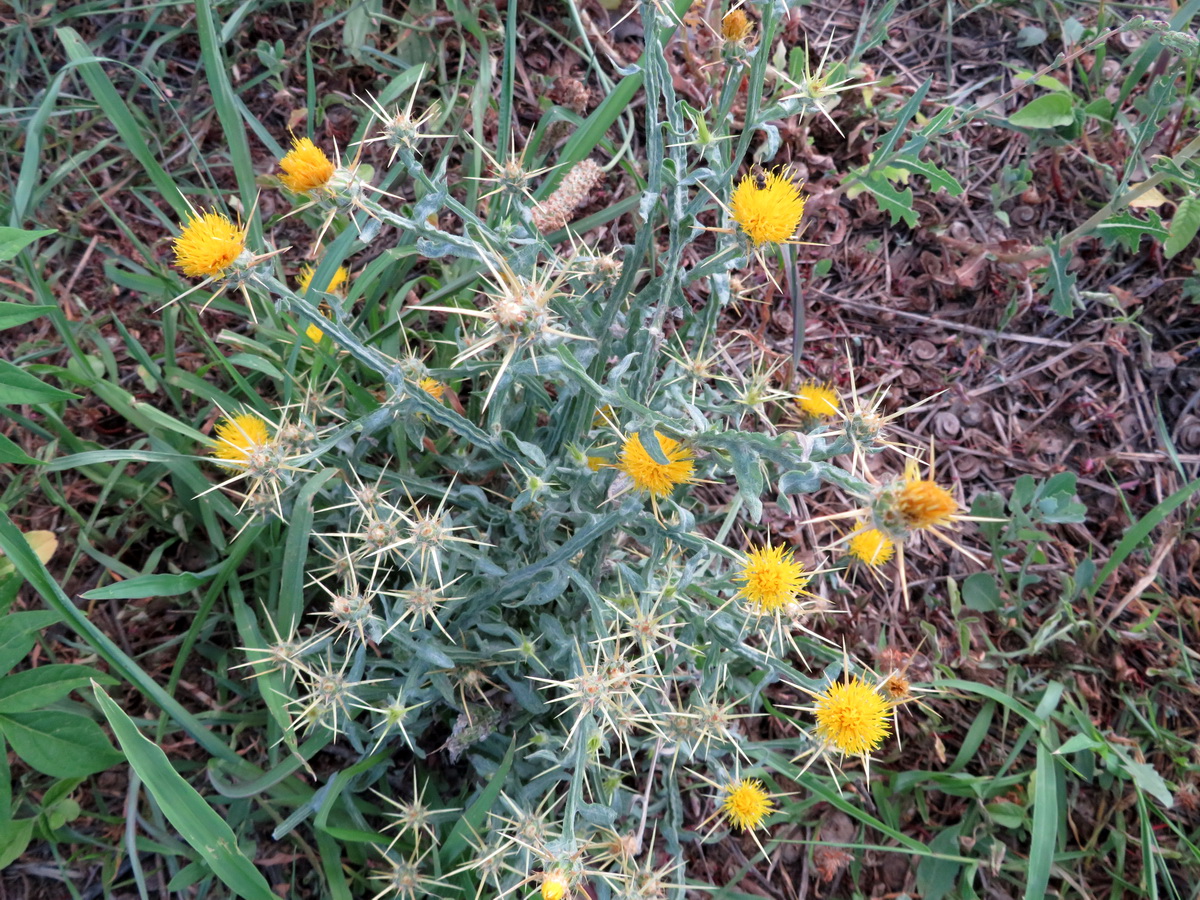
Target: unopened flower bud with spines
[[400, 130]]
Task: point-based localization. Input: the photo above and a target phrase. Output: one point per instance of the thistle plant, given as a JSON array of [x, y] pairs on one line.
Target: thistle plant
[[530, 512]]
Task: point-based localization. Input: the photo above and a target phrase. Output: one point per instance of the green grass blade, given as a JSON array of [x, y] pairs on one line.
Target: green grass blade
[[31, 163], [593, 129], [1141, 530], [471, 822], [1044, 833], [226, 103], [330, 852], [194, 820], [132, 133], [293, 576], [19, 553]]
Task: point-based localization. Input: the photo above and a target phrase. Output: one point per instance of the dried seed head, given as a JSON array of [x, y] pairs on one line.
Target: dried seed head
[[896, 687], [559, 208], [829, 861]]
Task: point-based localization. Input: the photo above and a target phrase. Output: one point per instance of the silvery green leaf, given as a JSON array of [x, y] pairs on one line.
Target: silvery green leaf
[[804, 479]]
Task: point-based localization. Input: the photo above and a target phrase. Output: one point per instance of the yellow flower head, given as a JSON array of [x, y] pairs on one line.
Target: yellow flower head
[[736, 26], [208, 244], [770, 213], [852, 716], [871, 547], [651, 476], [555, 886], [238, 438], [747, 803], [772, 578], [924, 504], [305, 167], [817, 399], [305, 277], [432, 387], [312, 332]]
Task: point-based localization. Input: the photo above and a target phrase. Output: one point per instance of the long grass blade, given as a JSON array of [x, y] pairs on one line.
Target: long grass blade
[[19, 553], [196, 821]]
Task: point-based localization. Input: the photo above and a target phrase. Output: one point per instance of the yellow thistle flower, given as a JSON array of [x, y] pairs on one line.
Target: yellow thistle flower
[[432, 387], [736, 26], [555, 886], [747, 803], [818, 400], [871, 547], [208, 244], [772, 578], [305, 167], [852, 716], [770, 213], [651, 476], [305, 277], [923, 503], [596, 463], [314, 334], [238, 438]]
